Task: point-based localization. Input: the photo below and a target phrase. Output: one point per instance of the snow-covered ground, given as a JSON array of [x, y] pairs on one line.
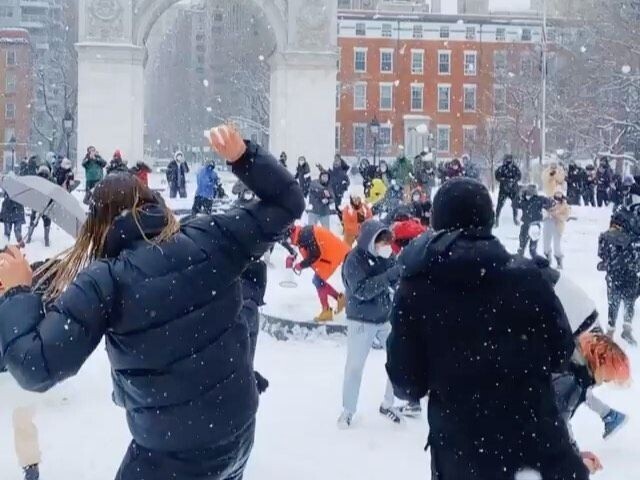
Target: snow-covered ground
[[84, 436]]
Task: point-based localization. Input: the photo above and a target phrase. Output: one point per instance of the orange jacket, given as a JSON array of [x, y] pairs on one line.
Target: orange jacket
[[316, 241], [350, 218]]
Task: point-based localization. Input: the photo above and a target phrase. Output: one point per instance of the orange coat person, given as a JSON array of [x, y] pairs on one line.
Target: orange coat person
[[323, 252], [353, 216]]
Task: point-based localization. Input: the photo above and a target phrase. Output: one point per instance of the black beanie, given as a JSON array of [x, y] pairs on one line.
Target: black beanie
[[462, 203]]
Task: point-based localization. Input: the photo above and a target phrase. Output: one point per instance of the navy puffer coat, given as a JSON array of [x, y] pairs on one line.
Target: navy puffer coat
[[169, 314]]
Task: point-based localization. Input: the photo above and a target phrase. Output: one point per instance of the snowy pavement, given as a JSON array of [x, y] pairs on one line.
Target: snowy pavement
[[84, 436]]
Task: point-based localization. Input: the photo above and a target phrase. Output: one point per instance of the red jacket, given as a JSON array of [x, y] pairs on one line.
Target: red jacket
[[404, 232]]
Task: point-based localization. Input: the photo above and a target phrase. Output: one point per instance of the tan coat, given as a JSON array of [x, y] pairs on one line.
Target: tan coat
[[552, 183], [560, 213]]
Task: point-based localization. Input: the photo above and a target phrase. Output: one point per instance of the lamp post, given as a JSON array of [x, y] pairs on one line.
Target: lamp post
[[374, 127], [67, 126], [12, 145]]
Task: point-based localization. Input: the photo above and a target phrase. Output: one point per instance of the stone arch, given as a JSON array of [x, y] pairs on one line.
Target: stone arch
[[149, 11]]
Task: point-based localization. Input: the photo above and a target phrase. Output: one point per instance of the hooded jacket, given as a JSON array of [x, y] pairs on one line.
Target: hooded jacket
[[481, 331], [179, 363], [177, 172], [207, 181], [93, 167], [368, 278]]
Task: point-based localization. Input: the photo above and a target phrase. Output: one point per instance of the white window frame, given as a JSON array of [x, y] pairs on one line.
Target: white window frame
[[474, 54], [386, 32], [468, 128], [503, 37], [364, 127], [417, 31], [419, 52], [360, 24], [386, 51], [448, 53], [355, 85], [385, 85], [526, 29], [448, 87], [357, 50], [470, 33], [497, 53], [338, 139], [6, 111], [386, 126], [11, 53], [10, 87], [338, 95], [416, 87], [445, 32], [448, 129], [467, 87]]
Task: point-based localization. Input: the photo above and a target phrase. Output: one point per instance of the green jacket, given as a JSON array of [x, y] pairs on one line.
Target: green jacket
[[94, 168], [402, 170]]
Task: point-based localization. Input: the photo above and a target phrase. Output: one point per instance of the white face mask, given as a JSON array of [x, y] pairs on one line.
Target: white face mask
[[384, 251], [248, 196]]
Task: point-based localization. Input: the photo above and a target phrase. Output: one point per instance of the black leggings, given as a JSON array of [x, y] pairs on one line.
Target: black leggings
[[524, 239], [512, 195]]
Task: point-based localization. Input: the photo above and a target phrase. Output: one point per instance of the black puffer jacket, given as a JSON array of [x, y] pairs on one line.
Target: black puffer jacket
[[481, 331], [179, 353], [11, 212], [508, 175]]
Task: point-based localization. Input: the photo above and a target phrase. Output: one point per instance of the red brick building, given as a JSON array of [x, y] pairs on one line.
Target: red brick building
[[15, 94], [443, 72]]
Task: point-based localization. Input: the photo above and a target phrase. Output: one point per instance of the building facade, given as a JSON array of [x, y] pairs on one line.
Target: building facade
[[431, 81], [15, 100]]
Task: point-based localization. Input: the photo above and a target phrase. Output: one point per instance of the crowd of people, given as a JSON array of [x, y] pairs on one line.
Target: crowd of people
[[503, 370]]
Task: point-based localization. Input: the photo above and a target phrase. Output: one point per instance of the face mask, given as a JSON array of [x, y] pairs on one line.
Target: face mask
[[416, 199], [383, 168], [557, 199], [527, 197], [301, 162], [248, 196], [384, 251]]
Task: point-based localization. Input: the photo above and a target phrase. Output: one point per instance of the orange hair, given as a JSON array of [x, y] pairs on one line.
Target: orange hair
[[606, 360]]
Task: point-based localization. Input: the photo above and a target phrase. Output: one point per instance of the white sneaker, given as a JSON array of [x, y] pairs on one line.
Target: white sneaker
[[345, 420]]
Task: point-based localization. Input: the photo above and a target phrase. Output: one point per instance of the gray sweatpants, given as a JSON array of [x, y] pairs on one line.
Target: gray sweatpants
[[551, 233], [360, 337]]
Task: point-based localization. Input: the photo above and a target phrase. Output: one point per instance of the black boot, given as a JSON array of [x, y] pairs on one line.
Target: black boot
[[47, 230], [31, 472]]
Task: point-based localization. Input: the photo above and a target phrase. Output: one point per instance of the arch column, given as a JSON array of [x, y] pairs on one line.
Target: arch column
[[111, 98], [303, 105]]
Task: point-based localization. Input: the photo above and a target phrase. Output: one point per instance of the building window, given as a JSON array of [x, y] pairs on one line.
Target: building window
[[361, 29], [526, 35], [10, 83], [10, 111], [386, 60], [338, 90], [339, 61], [444, 63], [360, 60], [551, 35], [346, 4], [417, 98], [444, 140], [359, 136], [499, 62], [8, 134], [386, 96], [501, 34], [499, 100], [384, 136], [470, 63], [470, 33], [417, 31], [526, 65], [444, 31], [469, 98], [444, 98], [468, 137], [338, 133], [217, 17], [360, 96], [417, 62], [12, 58], [387, 30], [6, 12]]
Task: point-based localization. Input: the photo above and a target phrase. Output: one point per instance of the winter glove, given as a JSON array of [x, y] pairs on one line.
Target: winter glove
[[325, 201], [601, 267], [290, 261], [261, 383], [393, 274]]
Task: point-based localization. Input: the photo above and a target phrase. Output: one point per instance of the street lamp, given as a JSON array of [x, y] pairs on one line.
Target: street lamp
[[12, 145], [374, 127], [67, 126]]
